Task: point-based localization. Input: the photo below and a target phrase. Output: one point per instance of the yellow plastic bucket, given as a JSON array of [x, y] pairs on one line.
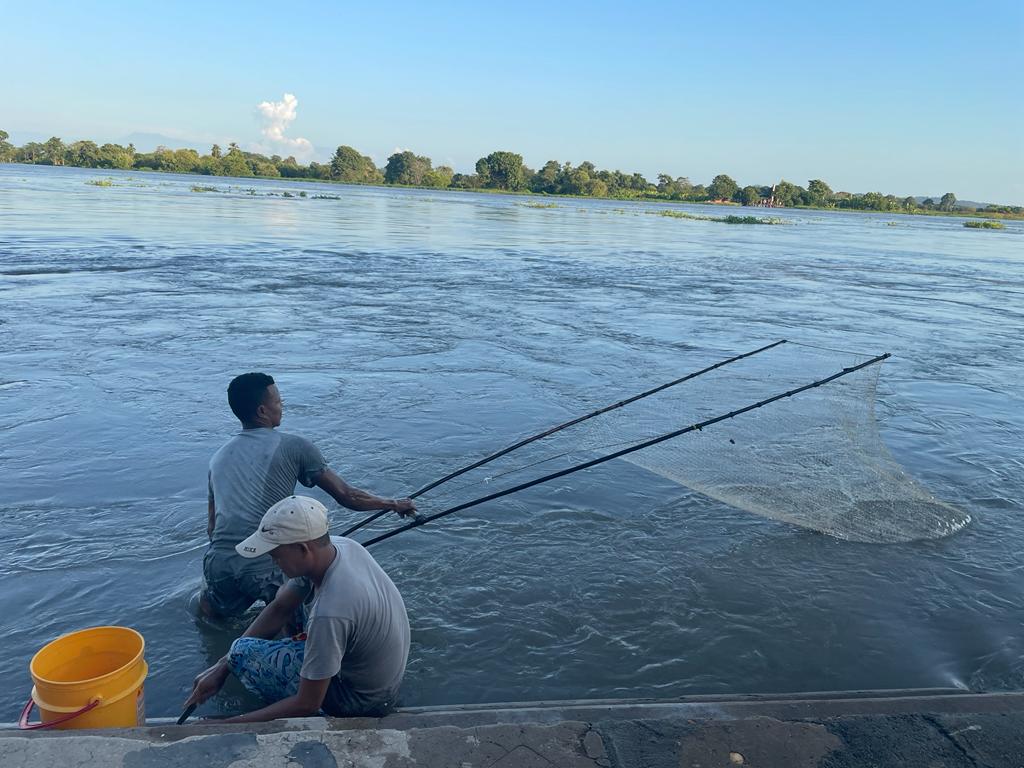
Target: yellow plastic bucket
[[92, 678]]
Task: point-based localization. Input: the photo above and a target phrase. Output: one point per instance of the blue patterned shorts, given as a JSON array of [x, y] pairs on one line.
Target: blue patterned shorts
[[267, 668], [270, 669]]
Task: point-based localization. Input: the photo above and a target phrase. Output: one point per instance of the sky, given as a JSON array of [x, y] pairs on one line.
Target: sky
[[907, 98]]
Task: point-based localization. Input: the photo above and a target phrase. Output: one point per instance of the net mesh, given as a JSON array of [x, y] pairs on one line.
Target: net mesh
[[814, 459]]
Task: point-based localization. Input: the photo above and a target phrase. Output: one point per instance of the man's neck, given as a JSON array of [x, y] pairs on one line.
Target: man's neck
[[325, 558], [255, 425]]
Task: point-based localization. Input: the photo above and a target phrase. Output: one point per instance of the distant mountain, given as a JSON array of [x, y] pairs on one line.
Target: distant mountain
[[959, 203], [147, 142]]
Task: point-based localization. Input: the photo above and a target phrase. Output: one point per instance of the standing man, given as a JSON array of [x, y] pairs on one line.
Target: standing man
[[352, 659], [249, 474]]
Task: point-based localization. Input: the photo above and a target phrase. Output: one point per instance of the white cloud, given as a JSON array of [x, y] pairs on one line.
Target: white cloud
[[276, 116]]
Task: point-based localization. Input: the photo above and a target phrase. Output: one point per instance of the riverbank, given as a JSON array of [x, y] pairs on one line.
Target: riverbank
[[634, 198], [885, 729]]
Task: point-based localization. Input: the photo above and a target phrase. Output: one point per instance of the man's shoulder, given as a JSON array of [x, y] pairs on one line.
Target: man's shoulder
[[350, 547], [241, 442], [290, 438], [225, 449]]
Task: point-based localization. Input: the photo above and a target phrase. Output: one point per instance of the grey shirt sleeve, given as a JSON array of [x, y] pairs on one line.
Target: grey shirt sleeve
[[326, 640], [309, 460]]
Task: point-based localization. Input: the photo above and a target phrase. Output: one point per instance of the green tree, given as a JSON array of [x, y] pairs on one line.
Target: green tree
[[722, 187], [115, 156], [215, 152], [406, 168], [787, 193], [83, 154], [290, 168], [261, 166], [502, 170], [574, 181], [818, 192], [750, 196], [6, 148], [349, 166], [909, 203], [546, 179], [440, 177], [32, 152], [318, 171], [466, 181], [947, 202], [234, 163], [677, 189], [53, 151]]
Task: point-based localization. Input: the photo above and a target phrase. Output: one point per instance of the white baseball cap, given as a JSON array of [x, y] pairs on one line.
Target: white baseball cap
[[291, 520]]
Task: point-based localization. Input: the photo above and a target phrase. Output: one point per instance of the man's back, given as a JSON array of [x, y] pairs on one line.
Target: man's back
[[358, 627], [249, 474]]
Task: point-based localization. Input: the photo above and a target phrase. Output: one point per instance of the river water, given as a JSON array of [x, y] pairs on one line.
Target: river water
[[411, 331]]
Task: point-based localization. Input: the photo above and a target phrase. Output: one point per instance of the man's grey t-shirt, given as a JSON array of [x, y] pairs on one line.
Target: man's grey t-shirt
[[249, 474], [358, 630]]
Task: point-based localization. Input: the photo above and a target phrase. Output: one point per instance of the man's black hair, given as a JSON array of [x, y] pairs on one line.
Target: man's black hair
[[246, 392]]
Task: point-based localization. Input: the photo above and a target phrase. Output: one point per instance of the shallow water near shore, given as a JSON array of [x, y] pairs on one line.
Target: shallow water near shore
[[412, 331]]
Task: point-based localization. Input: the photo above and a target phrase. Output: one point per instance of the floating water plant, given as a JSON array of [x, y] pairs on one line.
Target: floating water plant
[[100, 183], [984, 225], [196, 188], [723, 219]]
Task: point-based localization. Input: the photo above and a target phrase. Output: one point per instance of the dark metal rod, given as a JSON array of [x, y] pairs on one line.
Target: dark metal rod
[[565, 425], [577, 420], [365, 521], [624, 451]]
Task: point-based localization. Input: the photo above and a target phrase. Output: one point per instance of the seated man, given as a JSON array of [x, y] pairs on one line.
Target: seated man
[[356, 644], [253, 471]]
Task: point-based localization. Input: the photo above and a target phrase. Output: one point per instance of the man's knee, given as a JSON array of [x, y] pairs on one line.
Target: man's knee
[[206, 609], [240, 652]]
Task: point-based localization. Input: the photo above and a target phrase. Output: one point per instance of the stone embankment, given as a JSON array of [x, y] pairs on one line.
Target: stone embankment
[[936, 728]]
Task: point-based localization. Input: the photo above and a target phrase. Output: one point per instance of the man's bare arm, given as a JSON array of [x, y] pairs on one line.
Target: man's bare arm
[[267, 625], [211, 508], [359, 500], [305, 703]]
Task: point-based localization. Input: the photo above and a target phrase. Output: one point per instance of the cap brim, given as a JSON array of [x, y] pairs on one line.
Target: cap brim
[[255, 546]]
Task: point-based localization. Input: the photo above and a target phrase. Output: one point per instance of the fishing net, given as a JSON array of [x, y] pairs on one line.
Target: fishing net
[[813, 459]]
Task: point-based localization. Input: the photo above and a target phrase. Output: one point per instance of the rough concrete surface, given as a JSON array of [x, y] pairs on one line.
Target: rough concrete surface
[[881, 730]]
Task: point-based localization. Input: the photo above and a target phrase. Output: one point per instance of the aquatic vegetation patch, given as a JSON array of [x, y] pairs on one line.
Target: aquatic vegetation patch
[[100, 183], [539, 205], [326, 197], [731, 219], [984, 225], [746, 220], [197, 188]]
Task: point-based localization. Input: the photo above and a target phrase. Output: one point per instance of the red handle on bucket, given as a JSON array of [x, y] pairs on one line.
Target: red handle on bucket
[[24, 725]]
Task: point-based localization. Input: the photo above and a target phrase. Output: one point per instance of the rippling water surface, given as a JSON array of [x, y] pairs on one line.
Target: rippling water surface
[[411, 331]]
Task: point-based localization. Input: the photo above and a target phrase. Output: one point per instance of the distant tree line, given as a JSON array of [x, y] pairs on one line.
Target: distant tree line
[[500, 170]]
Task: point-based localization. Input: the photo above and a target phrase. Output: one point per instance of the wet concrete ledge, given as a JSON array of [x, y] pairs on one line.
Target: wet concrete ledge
[[938, 728]]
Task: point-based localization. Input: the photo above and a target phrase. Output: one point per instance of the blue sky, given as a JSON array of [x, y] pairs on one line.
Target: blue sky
[[900, 97]]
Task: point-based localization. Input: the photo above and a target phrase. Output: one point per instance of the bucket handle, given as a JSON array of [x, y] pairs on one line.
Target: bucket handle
[[25, 725]]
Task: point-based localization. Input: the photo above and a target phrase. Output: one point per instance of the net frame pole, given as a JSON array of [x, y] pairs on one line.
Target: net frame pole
[[632, 449], [564, 425]]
